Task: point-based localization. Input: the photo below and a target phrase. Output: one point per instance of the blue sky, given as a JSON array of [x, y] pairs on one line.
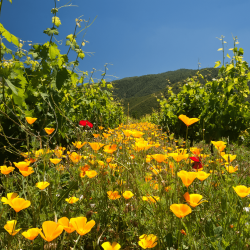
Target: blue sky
[[137, 37]]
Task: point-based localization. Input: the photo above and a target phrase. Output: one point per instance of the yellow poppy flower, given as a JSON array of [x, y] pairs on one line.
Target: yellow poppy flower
[[10, 196], [147, 241], [228, 158], [108, 246], [127, 195], [91, 173], [42, 185], [10, 227], [202, 175], [72, 200], [242, 191], [231, 169], [151, 198], [55, 160]]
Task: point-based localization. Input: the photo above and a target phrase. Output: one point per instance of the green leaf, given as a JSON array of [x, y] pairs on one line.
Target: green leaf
[[217, 64], [11, 86], [53, 51], [169, 240], [8, 36], [52, 31], [229, 67], [62, 77], [209, 228], [241, 51], [74, 78], [19, 99]]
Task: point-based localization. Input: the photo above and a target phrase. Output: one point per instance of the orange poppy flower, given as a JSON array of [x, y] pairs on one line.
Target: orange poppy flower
[[81, 225], [188, 121], [21, 164], [16, 203], [30, 120], [75, 157], [51, 230], [78, 144], [6, 170], [67, 224], [49, 131], [95, 145], [110, 148], [220, 145], [159, 157], [26, 171], [193, 199], [187, 177], [32, 233], [180, 210], [113, 195]]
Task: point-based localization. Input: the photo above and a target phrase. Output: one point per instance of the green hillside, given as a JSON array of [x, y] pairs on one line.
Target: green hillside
[[142, 92]]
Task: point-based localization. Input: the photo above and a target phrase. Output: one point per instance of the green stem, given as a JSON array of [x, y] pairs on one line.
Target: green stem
[[76, 242], [63, 240]]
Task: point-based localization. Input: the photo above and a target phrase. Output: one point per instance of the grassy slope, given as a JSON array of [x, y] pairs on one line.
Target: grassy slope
[[142, 92]]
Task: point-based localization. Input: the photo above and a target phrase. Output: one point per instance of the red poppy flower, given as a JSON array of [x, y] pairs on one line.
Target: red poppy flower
[[85, 123], [197, 162]]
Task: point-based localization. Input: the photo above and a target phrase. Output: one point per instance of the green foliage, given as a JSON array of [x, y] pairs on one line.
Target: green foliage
[[42, 83], [220, 104]]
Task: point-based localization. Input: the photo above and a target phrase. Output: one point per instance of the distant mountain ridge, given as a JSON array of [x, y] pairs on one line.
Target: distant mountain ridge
[[141, 92]]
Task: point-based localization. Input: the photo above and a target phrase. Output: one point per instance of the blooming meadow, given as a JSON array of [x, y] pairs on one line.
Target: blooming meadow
[[105, 184], [132, 187]]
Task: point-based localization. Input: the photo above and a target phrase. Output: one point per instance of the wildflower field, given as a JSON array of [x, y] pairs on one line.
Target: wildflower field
[[76, 174], [131, 187]]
